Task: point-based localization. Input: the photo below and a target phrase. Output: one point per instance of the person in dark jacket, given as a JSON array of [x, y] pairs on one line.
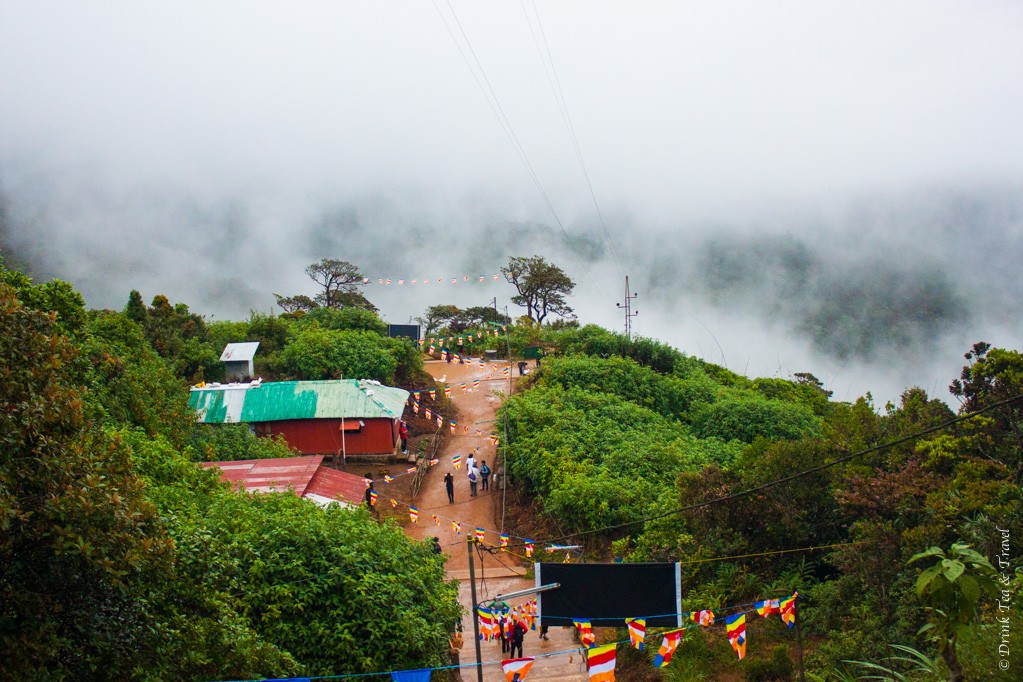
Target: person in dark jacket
[[449, 485], [518, 634], [485, 475]]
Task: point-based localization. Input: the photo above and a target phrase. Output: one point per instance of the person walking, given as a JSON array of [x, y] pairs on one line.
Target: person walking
[[403, 434], [470, 461], [518, 634], [449, 485], [474, 476], [485, 475]]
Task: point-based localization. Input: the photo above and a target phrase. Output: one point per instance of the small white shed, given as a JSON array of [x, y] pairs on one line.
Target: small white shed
[[237, 359]]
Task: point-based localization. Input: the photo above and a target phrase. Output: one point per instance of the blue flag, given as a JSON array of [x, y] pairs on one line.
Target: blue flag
[[421, 675]]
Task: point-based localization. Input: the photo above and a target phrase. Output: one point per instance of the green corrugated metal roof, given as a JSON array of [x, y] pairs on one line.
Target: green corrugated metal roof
[[274, 401]]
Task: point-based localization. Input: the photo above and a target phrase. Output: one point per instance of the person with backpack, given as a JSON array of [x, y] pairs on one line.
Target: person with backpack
[[485, 475], [518, 634], [474, 475]]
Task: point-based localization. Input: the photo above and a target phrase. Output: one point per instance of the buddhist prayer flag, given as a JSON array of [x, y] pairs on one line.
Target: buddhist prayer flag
[[440, 421], [373, 497], [470, 338], [457, 527], [415, 408], [767, 607], [668, 646], [436, 519], [486, 619], [478, 432], [704, 618], [413, 514], [788, 610], [410, 470], [388, 479], [415, 394], [475, 384], [515, 669], [457, 461], [480, 535], [452, 425], [433, 394], [433, 349], [427, 413], [504, 540], [585, 632], [462, 386], [495, 278], [505, 371], [735, 628], [529, 548], [637, 631], [447, 391], [434, 462], [394, 502], [494, 440], [600, 663], [482, 364]]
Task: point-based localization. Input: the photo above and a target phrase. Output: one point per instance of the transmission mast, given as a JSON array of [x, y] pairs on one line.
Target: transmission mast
[[629, 312]]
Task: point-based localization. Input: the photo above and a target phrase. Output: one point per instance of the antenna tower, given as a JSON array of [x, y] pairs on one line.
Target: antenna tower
[[629, 312]]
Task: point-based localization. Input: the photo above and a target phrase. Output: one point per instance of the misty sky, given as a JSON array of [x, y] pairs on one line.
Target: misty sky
[[796, 186]]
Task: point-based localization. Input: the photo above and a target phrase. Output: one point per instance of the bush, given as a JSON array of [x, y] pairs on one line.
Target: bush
[[777, 667]]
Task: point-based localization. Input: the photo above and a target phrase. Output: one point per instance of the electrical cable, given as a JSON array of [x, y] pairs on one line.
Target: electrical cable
[[559, 95], [495, 105]]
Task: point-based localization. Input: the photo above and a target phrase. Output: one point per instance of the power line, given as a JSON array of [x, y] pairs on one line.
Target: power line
[[495, 106], [559, 95]]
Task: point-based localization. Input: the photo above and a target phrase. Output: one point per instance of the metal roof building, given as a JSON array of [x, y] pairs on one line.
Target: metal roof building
[[306, 476], [350, 416]]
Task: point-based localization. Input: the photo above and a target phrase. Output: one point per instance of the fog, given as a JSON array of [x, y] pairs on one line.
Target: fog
[[800, 187]]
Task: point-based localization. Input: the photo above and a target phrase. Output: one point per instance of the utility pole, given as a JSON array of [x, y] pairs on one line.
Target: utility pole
[[629, 313], [504, 458], [474, 615]]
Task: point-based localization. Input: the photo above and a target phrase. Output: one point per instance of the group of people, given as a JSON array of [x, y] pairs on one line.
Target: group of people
[[477, 474]]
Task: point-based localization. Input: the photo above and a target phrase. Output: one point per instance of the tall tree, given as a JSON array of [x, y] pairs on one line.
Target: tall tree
[[542, 287], [338, 278], [437, 316]]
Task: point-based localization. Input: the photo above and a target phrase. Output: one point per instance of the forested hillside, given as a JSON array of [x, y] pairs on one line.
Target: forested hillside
[[613, 431], [121, 559]]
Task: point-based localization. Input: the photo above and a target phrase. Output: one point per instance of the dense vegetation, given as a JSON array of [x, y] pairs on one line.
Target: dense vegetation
[[613, 430], [120, 559]]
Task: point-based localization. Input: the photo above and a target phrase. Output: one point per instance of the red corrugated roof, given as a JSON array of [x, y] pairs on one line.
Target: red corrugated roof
[[333, 484], [305, 475]]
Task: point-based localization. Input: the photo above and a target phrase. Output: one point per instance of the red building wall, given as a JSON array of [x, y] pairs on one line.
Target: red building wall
[[323, 436]]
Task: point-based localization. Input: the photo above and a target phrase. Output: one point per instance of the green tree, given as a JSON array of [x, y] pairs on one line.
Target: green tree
[[340, 282], [437, 317], [317, 353], [994, 375], [950, 591], [542, 287], [300, 303], [78, 541]]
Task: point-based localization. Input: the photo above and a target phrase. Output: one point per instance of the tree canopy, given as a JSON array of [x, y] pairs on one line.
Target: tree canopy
[[542, 287]]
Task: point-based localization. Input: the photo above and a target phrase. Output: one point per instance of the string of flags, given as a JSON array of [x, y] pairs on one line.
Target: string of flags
[[499, 618], [424, 281]]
